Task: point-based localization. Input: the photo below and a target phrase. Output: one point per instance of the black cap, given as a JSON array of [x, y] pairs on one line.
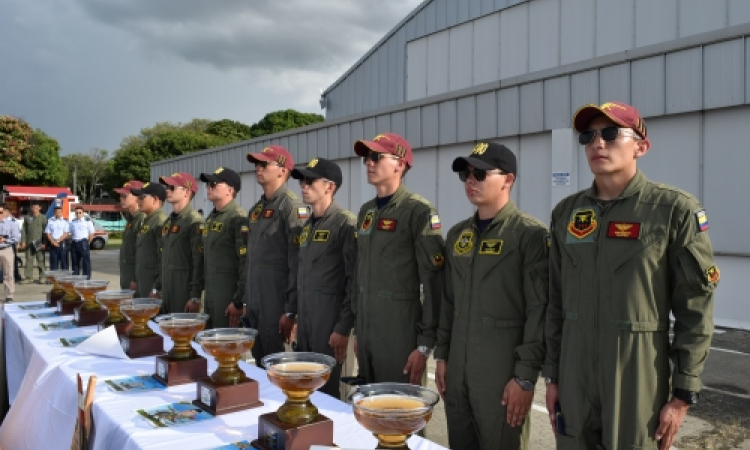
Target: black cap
[[488, 156], [320, 168], [223, 175], [155, 189], [57, 206]]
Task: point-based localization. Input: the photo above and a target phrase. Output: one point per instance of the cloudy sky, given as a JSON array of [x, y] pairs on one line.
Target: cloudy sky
[[90, 72]]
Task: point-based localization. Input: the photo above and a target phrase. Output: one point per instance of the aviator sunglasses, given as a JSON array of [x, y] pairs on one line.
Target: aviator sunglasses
[[375, 157], [608, 134], [479, 174]]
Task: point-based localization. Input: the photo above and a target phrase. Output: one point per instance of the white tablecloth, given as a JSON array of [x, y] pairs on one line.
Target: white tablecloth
[[43, 412]]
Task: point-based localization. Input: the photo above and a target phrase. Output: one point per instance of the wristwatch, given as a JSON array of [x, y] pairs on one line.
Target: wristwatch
[[197, 301], [154, 291], [424, 350], [291, 315], [550, 380], [689, 397], [526, 385]]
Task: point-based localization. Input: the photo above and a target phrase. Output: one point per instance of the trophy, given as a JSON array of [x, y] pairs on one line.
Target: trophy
[[393, 411], [111, 300], [70, 300], [57, 292], [228, 389], [90, 312], [296, 425], [181, 364], [140, 340]]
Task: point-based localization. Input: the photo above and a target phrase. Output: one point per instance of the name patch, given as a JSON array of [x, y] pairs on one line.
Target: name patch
[[491, 247], [174, 229], [267, 214], [217, 226], [624, 230], [321, 236], [387, 224]]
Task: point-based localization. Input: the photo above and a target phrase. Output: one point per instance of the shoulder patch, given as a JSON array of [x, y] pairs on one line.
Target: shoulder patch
[[701, 220], [243, 250], [713, 274], [434, 222], [244, 229], [420, 199], [533, 220], [349, 215], [438, 260], [303, 212]]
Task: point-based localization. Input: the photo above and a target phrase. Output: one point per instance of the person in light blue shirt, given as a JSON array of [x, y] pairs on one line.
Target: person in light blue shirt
[[57, 231], [82, 230], [10, 234]]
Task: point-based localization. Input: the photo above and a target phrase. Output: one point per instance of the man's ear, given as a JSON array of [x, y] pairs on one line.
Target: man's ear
[[644, 145]]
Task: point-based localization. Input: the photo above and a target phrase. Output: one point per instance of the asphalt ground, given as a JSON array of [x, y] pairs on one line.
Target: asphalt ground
[[724, 403]]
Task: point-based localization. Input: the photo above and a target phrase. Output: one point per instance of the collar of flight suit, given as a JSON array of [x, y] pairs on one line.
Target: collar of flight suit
[[231, 206], [156, 211], [634, 186], [182, 214], [400, 195], [281, 191], [333, 208], [510, 209]]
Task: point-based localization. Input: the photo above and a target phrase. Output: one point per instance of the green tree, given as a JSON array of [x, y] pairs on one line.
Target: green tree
[[87, 172], [278, 121], [44, 167], [229, 130], [14, 142]]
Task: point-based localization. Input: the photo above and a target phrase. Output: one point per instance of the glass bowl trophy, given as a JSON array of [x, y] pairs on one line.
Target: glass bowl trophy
[[296, 425], [182, 364], [393, 411], [70, 300], [90, 312], [228, 389], [111, 300], [140, 340], [57, 292]]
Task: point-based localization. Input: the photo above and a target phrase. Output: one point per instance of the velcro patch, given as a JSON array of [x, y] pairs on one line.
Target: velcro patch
[[701, 220], [321, 236], [165, 229], [217, 226], [130, 225], [201, 229], [256, 213], [434, 222], [268, 213], [491, 247], [302, 212], [387, 224], [243, 250], [244, 229], [200, 248], [624, 230], [438, 260], [144, 229], [174, 229], [713, 274], [464, 243]]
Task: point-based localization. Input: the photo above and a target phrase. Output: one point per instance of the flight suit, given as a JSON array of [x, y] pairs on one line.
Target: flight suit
[[617, 270], [127, 249], [224, 248], [271, 281], [399, 247], [33, 231], [148, 252], [327, 258], [181, 260], [491, 324]]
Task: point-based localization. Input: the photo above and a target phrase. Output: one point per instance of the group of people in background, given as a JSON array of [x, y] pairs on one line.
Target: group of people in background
[[586, 303]]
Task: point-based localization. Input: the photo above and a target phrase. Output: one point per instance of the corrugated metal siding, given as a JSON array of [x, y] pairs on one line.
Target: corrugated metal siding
[[487, 115], [577, 21], [430, 126], [447, 122], [437, 64], [648, 91], [461, 65], [371, 128], [584, 88], [416, 66], [657, 21], [557, 103], [724, 74], [508, 112], [699, 16], [467, 119], [383, 124], [611, 35], [532, 107], [544, 32], [398, 123], [414, 126], [486, 49], [514, 41], [685, 81], [739, 12], [322, 144], [614, 83]]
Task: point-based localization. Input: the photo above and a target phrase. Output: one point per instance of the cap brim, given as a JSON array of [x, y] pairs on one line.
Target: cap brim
[[169, 181], [299, 174], [362, 147], [137, 192], [209, 178], [123, 191], [461, 162], [259, 157], [585, 114]]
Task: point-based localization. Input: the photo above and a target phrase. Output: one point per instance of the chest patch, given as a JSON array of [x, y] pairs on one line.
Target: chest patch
[[583, 225], [464, 243], [303, 236], [267, 214], [366, 227], [387, 224], [321, 236], [174, 229], [165, 230], [217, 226], [256, 213], [491, 247], [624, 230], [144, 229]]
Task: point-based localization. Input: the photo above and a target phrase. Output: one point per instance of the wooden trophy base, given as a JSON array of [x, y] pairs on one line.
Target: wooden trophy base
[[176, 372], [139, 347], [274, 434], [67, 308], [86, 318], [217, 400], [53, 298], [121, 328]]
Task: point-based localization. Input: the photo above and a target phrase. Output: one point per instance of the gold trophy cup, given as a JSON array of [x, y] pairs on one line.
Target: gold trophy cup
[[296, 424], [90, 312], [393, 411], [111, 300], [140, 340], [228, 389], [70, 300], [181, 364]]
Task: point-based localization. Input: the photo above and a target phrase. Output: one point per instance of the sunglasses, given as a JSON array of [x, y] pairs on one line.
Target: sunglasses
[[307, 180], [264, 164], [375, 157], [479, 174], [213, 184], [608, 134], [172, 188]]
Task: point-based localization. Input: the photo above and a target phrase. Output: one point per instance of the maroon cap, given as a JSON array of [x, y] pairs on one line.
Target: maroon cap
[[620, 113], [129, 186], [386, 143], [273, 153], [180, 179]]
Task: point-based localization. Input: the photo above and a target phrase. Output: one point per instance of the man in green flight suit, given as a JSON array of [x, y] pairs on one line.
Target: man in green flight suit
[[133, 219], [399, 248], [148, 243], [624, 254], [181, 235], [224, 251], [32, 235], [271, 280], [490, 341], [327, 259]]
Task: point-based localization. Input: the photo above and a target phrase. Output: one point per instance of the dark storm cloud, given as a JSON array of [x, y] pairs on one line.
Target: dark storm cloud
[[303, 35]]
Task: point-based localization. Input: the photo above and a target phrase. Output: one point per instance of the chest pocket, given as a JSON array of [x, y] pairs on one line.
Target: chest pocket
[[647, 250]]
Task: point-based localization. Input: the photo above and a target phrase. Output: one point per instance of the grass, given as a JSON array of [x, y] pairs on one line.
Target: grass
[[725, 436], [113, 244]]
